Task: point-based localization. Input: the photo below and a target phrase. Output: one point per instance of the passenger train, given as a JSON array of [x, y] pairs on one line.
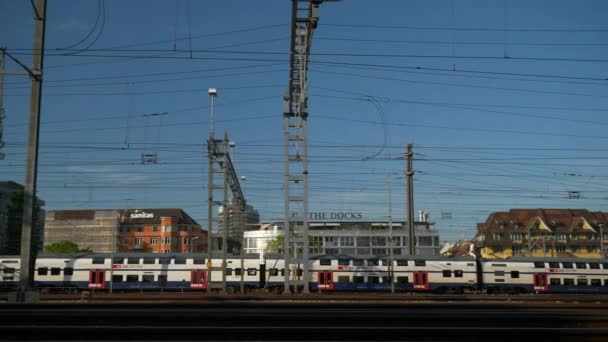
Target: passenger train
[[195, 272]]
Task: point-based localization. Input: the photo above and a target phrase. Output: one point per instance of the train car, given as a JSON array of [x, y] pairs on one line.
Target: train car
[[545, 275], [9, 271]]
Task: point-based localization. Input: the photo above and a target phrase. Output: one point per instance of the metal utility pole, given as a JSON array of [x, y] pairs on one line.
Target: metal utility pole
[[225, 210], [2, 62], [390, 235], [295, 131], [212, 95], [410, 201], [602, 254], [27, 257]]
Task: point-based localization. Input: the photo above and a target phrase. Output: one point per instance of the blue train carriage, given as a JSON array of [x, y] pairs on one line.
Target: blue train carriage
[[9, 271], [545, 275]]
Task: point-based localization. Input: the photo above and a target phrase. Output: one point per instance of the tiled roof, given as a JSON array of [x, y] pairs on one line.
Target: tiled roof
[[558, 220]]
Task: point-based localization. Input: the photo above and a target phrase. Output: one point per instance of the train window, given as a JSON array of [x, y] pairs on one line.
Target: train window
[[581, 265], [228, 271], [553, 264], [325, 262], [118, 260], [273, 272], [358, 279], [68, 271], [43, 271], [9, 261], [162, 279], [499, 265], [358, 262], [402, 280], [458, 273], [596, 282], [147, 278], [447, 273], [117, 278], [514, 274], [401, 262], [133, 261], [9, 270], [499, 273], [238, 271], [568, 281], [419, 262], [343, 279], [149, 260], [470, 264], [252, 271], [132, 278], [539, 264], [198, 261], [566, 264], [386, 279], [555, 281], [180, 261], [282, 272], [499, 280], [372, 262], [605, 264], [343, 262], [582, 282], [55, 271], [98, 260], [594, 266], [373, 279], [164, 261], [605, 282]]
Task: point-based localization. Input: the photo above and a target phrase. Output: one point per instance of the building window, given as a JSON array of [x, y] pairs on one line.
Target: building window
[[362, 241], [560, 249], [330, 241], [166, 241], [122, 241], [140, 229], [187, 241], [516, 236], [396, 241], [378, 241], [347, 241], [379, 251], [562, 237], [137, 242], [516, 250], [153, 241], [591, 249], [497, 249], [154, 228], [497, 236], [55, 271], [575, 249]]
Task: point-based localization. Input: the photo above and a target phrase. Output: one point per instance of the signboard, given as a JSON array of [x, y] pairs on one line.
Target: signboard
[[140, 215], [335, 216]]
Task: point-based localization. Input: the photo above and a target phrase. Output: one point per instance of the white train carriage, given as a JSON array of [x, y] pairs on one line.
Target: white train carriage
[[9, 271], [555, 275], [440, 275]]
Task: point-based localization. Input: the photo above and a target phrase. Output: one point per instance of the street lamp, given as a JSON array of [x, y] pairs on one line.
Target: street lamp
[[192, 243]]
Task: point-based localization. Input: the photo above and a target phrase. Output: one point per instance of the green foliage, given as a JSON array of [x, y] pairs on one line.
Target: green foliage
[[276, 245], [64, 247]]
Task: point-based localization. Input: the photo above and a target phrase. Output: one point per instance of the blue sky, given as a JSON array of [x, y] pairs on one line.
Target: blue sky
[[489, 133]]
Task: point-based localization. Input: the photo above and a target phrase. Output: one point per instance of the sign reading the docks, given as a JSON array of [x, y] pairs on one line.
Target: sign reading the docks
[[335, 216]]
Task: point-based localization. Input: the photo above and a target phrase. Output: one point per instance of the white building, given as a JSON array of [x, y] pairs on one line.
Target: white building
[[352, 238]]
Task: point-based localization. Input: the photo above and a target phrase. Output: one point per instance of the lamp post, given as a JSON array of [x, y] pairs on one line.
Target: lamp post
[[192, 243], [602, 241]]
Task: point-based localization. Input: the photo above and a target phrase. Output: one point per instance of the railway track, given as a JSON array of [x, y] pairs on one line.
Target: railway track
[[339, 297], [319, 321]]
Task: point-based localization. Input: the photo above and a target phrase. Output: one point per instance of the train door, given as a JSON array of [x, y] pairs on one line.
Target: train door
[[326, 280], [541, 283], [421, 281], [97, 279], [198, 279]]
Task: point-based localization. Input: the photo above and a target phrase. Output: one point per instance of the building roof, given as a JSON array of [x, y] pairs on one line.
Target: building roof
[[128, 216], [553, 220]]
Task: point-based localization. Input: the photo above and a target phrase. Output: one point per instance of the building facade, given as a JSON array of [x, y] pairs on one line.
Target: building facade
[[543, 233], [125, 230], [11, 212], [352, 238], [238, 221]]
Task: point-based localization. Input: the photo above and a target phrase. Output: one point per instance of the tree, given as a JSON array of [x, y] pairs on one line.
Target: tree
[[65, 246], [277, 244]]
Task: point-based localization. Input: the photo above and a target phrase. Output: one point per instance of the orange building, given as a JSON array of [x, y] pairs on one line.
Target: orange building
[[159, 231]]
